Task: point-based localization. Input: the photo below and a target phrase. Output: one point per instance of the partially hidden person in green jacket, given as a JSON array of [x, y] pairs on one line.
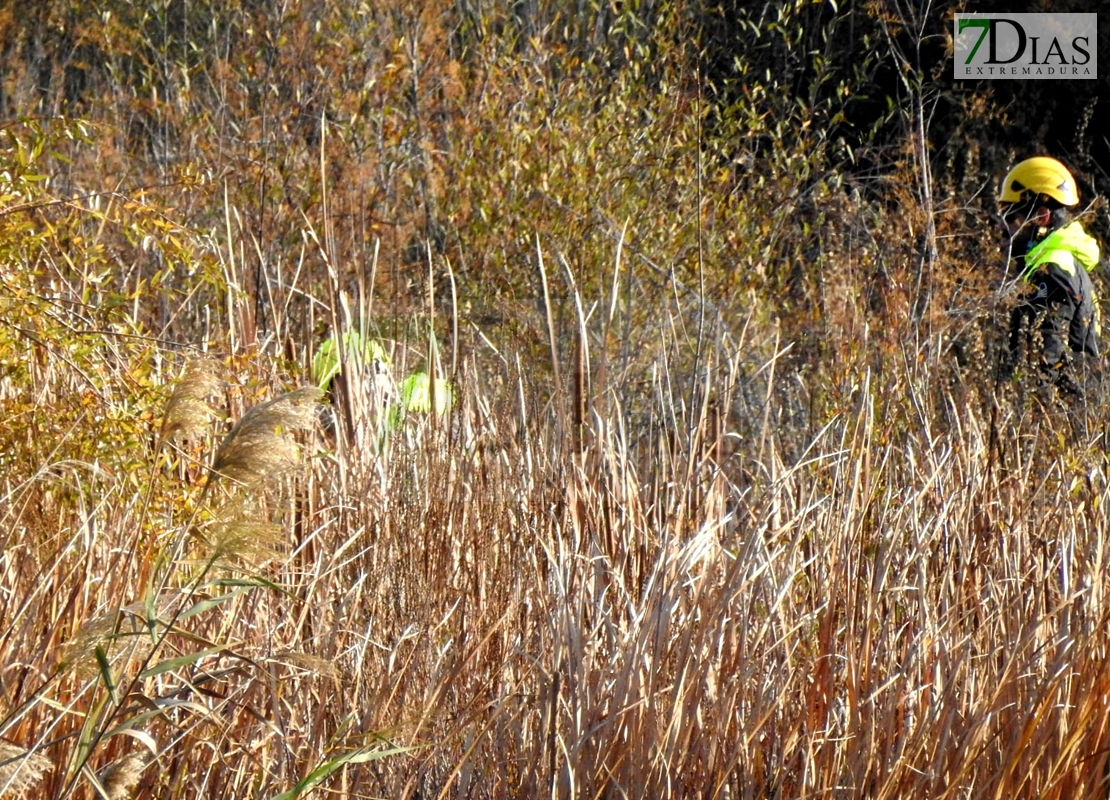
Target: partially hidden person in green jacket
[[1054, 256]]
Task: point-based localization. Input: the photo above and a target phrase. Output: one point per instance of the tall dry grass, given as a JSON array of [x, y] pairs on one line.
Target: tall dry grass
[[669, 590], [709, 518]]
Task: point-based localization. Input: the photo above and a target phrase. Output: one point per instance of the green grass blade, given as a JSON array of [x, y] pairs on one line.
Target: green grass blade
[[317, 775], [181, 661]]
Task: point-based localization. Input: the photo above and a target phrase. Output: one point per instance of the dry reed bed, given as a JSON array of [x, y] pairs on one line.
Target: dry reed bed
[[895, 614], [894, 611]]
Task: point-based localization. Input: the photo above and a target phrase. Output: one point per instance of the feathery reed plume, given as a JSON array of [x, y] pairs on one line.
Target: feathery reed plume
[[243, 541], [187, 412], [122, 637], [307, 662], [20, 769], [120, 778], [259, 446]]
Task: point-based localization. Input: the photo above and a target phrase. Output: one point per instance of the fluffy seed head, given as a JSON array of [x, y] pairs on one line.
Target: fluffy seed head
[[241, 540], [20, 769], [120, 778], [187, 412], [122, 637], [260, 446]]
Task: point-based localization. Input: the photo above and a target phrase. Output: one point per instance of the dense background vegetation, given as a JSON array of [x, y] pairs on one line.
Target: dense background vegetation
[[730, 502]]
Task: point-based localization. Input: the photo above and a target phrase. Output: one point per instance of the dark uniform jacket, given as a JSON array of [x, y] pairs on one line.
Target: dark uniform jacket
[[1057, 266]]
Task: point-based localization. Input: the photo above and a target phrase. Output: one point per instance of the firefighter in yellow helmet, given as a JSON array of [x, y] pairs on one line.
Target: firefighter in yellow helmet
[[1053, 255]]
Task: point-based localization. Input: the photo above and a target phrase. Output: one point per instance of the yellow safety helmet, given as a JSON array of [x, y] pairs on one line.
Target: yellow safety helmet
[[1040, 175]]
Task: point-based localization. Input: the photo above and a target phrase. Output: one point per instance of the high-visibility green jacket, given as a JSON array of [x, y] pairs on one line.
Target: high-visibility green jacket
[[1066, 247], [1058, 266]]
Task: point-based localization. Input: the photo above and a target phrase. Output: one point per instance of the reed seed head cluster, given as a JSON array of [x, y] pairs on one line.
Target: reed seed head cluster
[[187, 412], [120, 778], [261, 446], [20, 770]]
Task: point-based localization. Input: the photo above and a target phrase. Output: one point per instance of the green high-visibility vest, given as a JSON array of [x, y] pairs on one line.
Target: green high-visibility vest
[[1065, 247]]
